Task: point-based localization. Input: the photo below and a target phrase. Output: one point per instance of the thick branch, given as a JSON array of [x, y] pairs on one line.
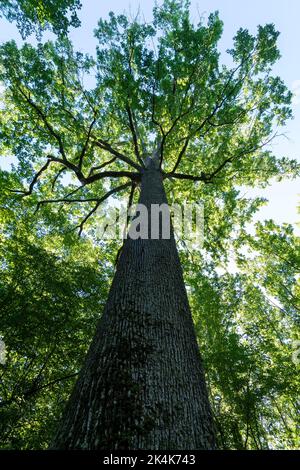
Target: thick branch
[[207, 120], [85, 181], [106, 146], [103, 165], [182, 176], [71, 166], [97, 176]]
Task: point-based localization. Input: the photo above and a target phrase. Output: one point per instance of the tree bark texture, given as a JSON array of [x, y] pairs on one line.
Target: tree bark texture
[[142, 385]]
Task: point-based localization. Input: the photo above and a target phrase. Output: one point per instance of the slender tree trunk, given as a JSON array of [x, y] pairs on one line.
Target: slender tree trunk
[[142, 385]]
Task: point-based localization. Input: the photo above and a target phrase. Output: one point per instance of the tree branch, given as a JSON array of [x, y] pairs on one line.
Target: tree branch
[[181, 154], [64, 200], [208, 177], [224, 96], [85, 181], [57, 176], [113, 174], [85, 146], [103, 165], [35, 390], [97, 176], [67, 164], [182, 176], [33, 182]]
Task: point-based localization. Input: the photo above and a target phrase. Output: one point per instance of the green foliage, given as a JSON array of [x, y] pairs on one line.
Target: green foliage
[[247, 322], [77, 124], [37, 15], [50, 300]]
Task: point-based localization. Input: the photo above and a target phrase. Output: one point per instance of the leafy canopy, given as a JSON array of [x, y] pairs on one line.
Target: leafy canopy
[[157, 87]]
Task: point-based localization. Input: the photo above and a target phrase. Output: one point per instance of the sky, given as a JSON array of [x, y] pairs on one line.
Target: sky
[[284, 197]]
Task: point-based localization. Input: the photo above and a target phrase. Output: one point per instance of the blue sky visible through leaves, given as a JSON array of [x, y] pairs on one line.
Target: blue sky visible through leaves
[[284, 197]]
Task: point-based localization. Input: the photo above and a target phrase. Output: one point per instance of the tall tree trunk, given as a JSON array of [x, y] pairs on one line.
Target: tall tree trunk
[[142, 385]]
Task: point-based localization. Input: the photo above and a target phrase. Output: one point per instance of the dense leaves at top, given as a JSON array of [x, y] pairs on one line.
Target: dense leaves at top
[[81, 128], [37, 15]]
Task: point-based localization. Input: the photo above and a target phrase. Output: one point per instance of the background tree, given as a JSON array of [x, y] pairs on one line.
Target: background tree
[[159, 90]]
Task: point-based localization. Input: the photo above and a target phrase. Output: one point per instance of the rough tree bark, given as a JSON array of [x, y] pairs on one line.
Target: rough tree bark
[[142, 385]]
